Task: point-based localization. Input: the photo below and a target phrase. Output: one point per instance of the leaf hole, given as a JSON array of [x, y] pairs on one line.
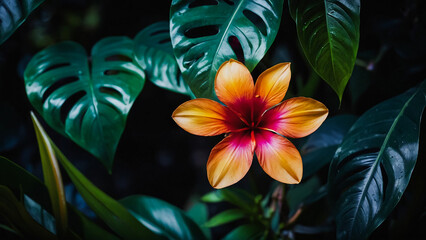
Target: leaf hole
[[237, 48], [59, 83], [55, 66], [110, 91], [160, 32], [198, 3], [385, 179], [256, 20], [167, 40], [229, 2], [203, 31], [188, 63], [113, 72], [118, 57], [69, 103]]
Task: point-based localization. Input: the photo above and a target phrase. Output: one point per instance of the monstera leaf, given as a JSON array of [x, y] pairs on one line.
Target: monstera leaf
[[207, 33], [86, 98], [328, 32], [373, 165], [13, 13], [154, 54]]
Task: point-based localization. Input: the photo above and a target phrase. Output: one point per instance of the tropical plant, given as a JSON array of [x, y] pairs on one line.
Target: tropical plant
[[352, 168]]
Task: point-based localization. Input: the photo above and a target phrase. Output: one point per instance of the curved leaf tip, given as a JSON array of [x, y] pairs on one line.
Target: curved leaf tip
[[328, 31]]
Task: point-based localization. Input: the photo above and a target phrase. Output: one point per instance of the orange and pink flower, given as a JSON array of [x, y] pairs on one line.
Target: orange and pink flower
[[255, 121]]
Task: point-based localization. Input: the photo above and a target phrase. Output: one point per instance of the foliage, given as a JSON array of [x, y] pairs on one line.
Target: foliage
[[328, 32], [359, 168], [206, 35], [87, 100], [373, 165], [154, 54]]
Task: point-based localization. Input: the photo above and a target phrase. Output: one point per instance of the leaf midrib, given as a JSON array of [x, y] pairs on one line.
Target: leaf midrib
[[329, 39], [231, 19], [94, 100], [378, 158]]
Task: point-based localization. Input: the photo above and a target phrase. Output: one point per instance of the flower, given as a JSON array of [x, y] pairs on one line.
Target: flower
[[255, 121]]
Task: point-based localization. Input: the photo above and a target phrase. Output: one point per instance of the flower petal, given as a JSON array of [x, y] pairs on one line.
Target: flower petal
[[296, 117], [278, 157], [230, 160], [233, 84], [205, 117], [271, 86]]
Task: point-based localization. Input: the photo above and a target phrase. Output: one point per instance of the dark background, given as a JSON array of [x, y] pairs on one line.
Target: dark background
[[157, 158]]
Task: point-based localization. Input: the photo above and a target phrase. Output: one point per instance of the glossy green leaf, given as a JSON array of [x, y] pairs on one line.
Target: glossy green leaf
[[86, 98], [204, 34], [328, 31], [52, 178], [162, 218], [13, 13], [224, 217], [246, 232], [237, 197], [199, 213], [105, 207], [319, 149], [373, 165], [21, 221], [154, 54]]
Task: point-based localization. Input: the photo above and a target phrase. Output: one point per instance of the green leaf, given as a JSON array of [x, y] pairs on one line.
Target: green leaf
[[319, 149], [246, 232], [105, 207], [225, 217], [21, 221], [162, 217], [328, 32], [204, 35], [13, 13], [373, 165], [52, 178], [86, 98], [237, 197], [199, 213], [154, 54]]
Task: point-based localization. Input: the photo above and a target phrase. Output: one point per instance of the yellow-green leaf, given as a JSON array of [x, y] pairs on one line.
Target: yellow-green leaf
[[52, 178], [106, 208]]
